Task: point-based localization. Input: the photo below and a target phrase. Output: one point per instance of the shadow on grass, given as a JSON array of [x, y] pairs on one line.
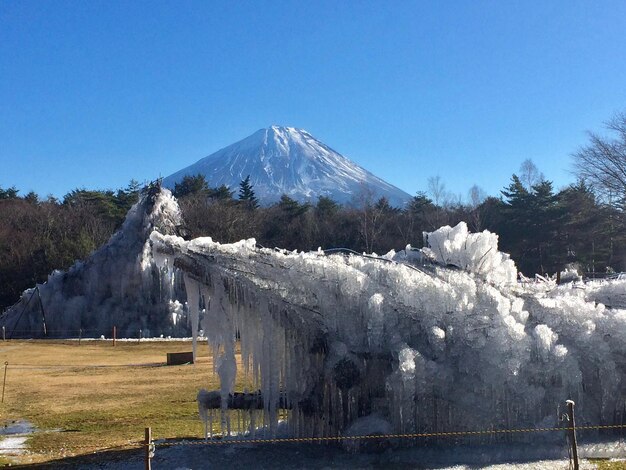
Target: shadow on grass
[[90, 460]]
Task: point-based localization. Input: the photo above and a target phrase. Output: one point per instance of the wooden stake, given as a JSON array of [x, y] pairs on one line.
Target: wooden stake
[[4, 382], [148, 448], [114, 334], [572, 431]]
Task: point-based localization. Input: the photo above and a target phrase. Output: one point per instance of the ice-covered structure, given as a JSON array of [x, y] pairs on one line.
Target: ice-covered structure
[[443, 338], [116, 286], [342, 340]]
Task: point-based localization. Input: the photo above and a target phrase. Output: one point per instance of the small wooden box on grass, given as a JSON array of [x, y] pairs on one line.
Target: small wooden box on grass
[[179, 358]]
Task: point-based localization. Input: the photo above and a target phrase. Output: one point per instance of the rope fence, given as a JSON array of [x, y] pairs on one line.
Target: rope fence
[[149, 445], [281, 440], [79, 366], [220, 441]]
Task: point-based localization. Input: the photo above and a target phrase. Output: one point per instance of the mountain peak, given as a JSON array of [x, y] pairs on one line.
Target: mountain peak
[[287, 160], [285, 130]]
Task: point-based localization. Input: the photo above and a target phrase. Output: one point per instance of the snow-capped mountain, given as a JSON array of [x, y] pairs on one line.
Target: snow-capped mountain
[[286, 160]]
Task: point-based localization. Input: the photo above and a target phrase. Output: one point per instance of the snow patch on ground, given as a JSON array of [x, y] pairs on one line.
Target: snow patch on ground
[[18, 433], [14, 445]]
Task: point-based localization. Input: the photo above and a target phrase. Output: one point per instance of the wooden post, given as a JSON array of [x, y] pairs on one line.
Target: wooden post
[[148, 448], [114, 334], [4, 382], [572, 431]]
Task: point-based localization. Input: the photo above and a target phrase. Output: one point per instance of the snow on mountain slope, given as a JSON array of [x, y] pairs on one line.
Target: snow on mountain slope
[[286, 160]]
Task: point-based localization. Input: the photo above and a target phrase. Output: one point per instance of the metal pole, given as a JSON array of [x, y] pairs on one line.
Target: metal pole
[[114, 334], [148, 448], [572, 431], [4, 333], [4, 382], [80, 335]]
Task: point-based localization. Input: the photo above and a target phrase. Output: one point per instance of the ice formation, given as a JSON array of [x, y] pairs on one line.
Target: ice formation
[[443, 338], [116, 286], [456, 343]]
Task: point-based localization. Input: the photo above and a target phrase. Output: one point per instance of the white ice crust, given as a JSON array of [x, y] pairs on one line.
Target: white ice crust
[[433, 347]]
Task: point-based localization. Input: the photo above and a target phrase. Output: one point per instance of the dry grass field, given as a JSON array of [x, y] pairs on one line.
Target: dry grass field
[[88, 397]]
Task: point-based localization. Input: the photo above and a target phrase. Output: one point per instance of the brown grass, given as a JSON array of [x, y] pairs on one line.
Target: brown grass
[[79, 408]]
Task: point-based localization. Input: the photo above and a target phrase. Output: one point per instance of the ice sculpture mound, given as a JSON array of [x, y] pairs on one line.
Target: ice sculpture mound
[[341, 340], [116, 286]]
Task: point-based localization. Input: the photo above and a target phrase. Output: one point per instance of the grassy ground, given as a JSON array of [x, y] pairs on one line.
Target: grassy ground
[[79, 408], [609, 465]]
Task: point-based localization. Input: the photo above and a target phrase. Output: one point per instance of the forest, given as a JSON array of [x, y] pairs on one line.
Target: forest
[[581, 226]]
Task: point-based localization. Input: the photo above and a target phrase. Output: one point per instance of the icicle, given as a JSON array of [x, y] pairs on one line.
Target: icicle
[[193, 303], [412, 336]]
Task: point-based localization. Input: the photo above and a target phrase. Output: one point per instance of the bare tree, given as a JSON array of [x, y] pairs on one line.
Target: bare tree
[[529, 174], [476, 197], [437, 190], [602, 163], [370, 218], [442, 199]]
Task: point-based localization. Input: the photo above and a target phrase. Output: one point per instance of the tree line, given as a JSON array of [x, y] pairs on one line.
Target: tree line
[[544, 230]]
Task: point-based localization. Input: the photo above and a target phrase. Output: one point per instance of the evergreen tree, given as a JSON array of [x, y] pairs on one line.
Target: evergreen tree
[[292, 208], [103, 204], [221, 193], [10, 193], [530, 227], [326, 207], [191, 185], [32, 197], [545, 229], [246, 194]]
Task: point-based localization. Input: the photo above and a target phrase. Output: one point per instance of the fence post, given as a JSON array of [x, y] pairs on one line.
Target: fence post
[[140, 334], [572, 432], [114, 334], [4, 333], [148, 448], [4, 382], [80, 335]]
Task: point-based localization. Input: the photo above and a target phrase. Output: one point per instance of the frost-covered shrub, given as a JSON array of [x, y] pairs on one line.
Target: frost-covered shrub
[[473, 252]]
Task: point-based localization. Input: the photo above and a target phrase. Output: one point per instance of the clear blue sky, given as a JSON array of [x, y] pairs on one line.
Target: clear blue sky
[[94, 93]]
